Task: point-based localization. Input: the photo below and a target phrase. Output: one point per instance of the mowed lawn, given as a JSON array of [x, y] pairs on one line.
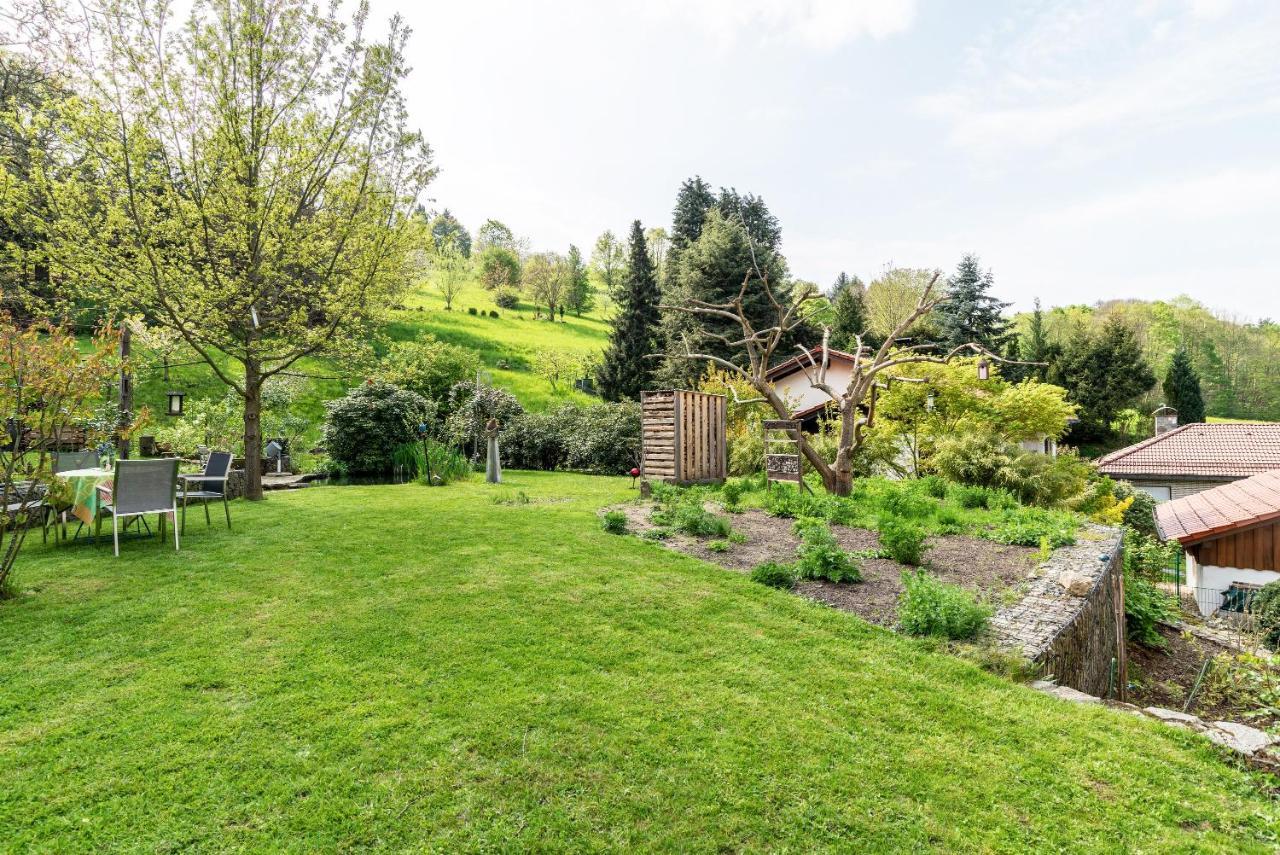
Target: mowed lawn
[[405, 667]]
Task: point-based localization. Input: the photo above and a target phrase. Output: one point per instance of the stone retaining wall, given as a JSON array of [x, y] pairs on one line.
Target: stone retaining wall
[[1071, 620]]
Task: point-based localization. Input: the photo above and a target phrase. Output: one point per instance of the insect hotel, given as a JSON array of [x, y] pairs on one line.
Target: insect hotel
[[683, 437]]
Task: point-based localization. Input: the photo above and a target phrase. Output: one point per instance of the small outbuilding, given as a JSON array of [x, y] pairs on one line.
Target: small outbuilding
[[1231, 537]]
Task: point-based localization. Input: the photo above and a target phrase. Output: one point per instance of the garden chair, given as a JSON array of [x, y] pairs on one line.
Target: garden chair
[[34, 503], [69, 461], [143, 487], [209, 485]]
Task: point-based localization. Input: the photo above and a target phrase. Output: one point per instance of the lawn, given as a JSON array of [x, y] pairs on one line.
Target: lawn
[[414, 668]]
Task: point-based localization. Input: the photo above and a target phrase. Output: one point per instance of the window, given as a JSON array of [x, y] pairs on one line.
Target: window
[[1160, 494]]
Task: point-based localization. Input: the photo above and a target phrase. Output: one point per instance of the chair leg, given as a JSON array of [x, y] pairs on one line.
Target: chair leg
[[115, 533], [160, 525], [176, 547], [226, 507], [184, 514]]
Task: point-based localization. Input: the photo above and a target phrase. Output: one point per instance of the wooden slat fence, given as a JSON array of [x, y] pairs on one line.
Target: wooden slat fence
[[683, 436]]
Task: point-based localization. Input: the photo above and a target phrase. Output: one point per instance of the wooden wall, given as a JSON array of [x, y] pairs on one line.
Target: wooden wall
[[683, 436], [1256, 548]]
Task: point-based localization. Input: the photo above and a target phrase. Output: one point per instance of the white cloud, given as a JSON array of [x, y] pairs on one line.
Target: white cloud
[[819, 24]]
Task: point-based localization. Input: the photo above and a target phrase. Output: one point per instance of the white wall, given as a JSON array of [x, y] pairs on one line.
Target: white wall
[[799, 395], [1220, 579]]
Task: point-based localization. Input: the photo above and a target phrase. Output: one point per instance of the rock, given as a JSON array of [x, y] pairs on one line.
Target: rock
[[1239, 737], [1181, 719], [1065, 693], [1076, 584]]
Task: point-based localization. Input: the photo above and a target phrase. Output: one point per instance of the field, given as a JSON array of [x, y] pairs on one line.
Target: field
[[479, 668]]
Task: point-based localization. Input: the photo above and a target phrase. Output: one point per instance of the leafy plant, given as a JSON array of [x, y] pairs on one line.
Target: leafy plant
[[428, 366], [774, 575], [820, 557], [732, 492], [614, 522], [1032, 527], [738, 537], [933, 608], [718, 546], [363, 429], [1264, 606], [1145, 606], [683, 511], [902, 540]]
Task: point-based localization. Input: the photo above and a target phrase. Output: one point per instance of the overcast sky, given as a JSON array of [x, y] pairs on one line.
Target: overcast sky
[[1085, 150]]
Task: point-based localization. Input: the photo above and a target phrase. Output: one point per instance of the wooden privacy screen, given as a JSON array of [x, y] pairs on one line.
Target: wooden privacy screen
[[683, 436]]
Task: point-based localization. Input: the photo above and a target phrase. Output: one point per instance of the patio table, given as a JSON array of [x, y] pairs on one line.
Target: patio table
[[86, 497]]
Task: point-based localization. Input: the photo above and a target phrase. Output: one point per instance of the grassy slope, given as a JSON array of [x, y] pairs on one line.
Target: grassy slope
[[402, 667]]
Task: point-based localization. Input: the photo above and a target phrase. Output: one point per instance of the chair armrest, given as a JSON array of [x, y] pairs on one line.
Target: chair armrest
[[203, 477]]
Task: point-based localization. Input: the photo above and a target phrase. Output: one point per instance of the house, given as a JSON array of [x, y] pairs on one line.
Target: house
[[1181, 461], [792, 380], [1231, 536]]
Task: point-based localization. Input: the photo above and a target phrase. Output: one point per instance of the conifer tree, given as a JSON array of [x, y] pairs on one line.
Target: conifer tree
[[850, 311], [1103, 373], [627, 369], [970, 313], [1182, 389], [580, 298]]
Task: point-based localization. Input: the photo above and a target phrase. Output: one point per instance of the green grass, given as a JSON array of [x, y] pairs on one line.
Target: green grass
[[404, 667]]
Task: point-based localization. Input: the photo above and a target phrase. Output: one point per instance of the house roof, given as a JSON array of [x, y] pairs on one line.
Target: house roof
[[1204, 451], [794, 363], [1207, 514]]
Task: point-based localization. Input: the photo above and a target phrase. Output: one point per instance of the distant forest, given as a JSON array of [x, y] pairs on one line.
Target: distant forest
[[1238, 361]]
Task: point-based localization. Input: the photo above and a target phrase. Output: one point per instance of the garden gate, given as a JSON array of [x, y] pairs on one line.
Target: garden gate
[[683, 437]]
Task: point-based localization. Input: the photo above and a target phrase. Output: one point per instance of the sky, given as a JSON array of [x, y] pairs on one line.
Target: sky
[[1083, 150]]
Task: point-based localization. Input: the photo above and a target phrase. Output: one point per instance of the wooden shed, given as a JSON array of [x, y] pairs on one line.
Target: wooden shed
[[683, 437]]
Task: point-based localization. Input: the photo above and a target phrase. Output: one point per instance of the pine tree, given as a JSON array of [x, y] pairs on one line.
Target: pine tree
[[627, 368], [970, 313], [848, 304], [1103, 373], [1182, 389]]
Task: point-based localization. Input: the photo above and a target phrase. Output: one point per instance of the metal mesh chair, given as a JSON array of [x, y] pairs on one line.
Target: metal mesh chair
[[143, 487], [209, 485], [66, 461]]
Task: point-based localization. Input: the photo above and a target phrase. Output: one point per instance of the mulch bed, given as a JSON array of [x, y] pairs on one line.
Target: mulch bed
[[982, 565]]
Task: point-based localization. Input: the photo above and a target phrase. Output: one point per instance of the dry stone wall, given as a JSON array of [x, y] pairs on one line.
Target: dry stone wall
[[1071, 620]]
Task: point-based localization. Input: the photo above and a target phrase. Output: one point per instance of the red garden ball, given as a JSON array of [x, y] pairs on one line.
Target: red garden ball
[[634, 472]]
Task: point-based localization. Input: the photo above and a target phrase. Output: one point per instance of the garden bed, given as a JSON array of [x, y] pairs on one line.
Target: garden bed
[[989, 568]]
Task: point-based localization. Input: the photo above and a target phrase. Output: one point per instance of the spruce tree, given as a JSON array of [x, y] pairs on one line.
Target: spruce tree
[[627, 369], [970, 313], [1103, 373], [580, 297], [1182, 389], [849, 307]]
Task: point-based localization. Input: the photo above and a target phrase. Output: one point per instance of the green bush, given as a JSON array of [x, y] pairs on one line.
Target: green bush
[[933, 608], [934, 486], [1264, 606], [820, 557], [601, 438], [732, 492], [1144, 606], [718, 546], [902, 540], [1148, 556], [949, 521], [1032, 526], [363, 429], [684, 512], [428, 366], [774, 575], [507, 298], [614, 522], [1141, 514]]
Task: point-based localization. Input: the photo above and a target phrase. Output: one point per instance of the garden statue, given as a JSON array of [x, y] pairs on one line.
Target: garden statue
[[493, 467]]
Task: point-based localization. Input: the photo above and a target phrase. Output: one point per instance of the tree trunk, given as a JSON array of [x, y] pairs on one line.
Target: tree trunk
[[125, 418], [252, 431]]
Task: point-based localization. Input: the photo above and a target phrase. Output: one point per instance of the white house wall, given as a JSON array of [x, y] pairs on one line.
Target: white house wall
[[800, 395], [1211, 578]]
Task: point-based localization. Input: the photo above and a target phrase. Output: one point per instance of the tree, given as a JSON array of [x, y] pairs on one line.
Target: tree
[[494, 234], [970, 313], [450, 271], [628, 368], [608, 262], [1182, 389], [445, 229], [849, 312], [1103, 373], [248, 182], [894, 295], [545, 278], [499, 268], [854, 403], [580, 297], [658, 242], [427, 366], [1035, 344], [557, 366]]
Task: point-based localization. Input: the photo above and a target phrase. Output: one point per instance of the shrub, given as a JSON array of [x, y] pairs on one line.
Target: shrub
[[470, 405], [683, 511], [363, 429], [614, 522], [934, 486], [949, 521], [473, 311], [602, 438], [974, 498], [507, 298], [428, 366], [493, 313], [902, 540], [1033, 526], [1144, 606], [1141, 513], [820, 557], [732, 492], [1264, 606], [718, 546], [933, 608], [1148, 556], [774, 575]]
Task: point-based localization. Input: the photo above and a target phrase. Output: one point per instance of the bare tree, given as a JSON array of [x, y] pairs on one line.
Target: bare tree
[[855, 403]]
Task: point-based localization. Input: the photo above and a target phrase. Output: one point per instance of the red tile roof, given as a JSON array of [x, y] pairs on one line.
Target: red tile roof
[[1241, 504], [1200, 451]]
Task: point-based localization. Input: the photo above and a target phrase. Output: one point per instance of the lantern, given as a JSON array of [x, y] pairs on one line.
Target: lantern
[[175, 403], [984, 369], [930, 401]]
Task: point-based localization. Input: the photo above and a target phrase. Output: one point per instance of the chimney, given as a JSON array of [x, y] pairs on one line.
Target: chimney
[[1166, 419]]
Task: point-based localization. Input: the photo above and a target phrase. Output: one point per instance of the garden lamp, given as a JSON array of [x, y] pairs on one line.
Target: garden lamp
[[984, 369], [175, 403]]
